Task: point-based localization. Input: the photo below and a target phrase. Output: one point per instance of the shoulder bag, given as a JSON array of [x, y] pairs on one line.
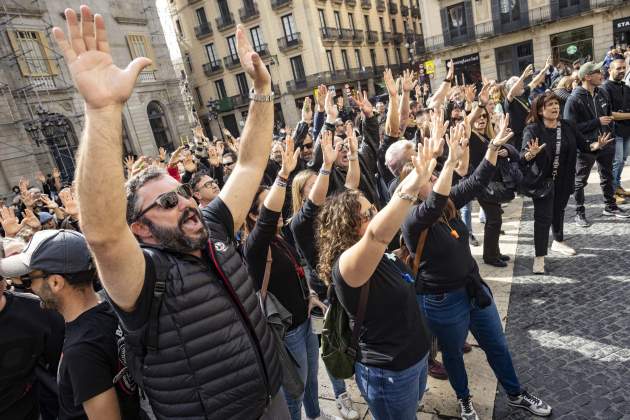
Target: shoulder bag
[[545, 189]]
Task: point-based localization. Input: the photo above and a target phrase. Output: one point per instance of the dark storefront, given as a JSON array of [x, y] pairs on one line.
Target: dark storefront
[[467, 70], [621, 32]]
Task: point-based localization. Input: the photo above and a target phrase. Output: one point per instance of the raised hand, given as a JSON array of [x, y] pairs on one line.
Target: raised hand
[[408, 82], [484, 95], [30, 220], [364, 103], [307, 111], [189, 164], [438, 129], [470, 91], [322, 91], [353, 142], [220, 148], [390, 83], [101, 83], [28, 198], [602, 141], [533, 148], [40, 177], [70, 205], [290, 157], [9, 221], [213, 156], [139, 165], [331, 109], [129, 161], [55, 173], [329, 152], [162, 152], [451, 70], [529, 70], [505, 132], [49, 202], [456, 143], [24, 184], [424, 163], [252, 63], [549, 62], [175, 157]]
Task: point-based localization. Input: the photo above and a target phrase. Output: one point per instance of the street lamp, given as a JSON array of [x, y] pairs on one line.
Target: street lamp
[[213, 113]]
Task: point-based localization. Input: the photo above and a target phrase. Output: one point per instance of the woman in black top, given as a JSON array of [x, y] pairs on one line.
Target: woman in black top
[[287, 281], [540, 146], [454, 297], [391, 364]]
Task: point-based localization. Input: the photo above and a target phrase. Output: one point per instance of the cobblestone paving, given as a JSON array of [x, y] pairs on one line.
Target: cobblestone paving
[[569, 331]]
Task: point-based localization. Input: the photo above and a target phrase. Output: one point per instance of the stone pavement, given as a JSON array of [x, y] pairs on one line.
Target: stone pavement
[[569, 331]]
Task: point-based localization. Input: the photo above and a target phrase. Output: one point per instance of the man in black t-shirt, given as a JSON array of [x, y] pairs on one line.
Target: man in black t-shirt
[[91, 377]]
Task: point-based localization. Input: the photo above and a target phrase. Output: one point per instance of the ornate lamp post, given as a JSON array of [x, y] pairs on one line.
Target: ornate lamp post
[[213, 113]]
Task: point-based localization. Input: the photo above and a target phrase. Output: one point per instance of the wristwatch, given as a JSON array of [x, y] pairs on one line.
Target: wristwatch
[[256, 97]]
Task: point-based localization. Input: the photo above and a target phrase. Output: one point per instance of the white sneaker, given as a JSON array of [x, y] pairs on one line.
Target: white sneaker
[[326, 416], [345, 407], [467, 410], [539, 265], [562, 248]]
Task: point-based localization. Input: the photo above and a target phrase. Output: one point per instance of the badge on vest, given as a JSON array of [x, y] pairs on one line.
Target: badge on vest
[[220, 246]]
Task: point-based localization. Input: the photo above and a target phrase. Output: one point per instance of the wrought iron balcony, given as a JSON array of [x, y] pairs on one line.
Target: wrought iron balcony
[[346, 35], [366, 4], [329, 34], [203, 30], [380, 5], [397, 37], [249, 12], [410, 36], [351, 3], [289, 42], [372, 37], [280, 4], [339, 2], [239, 100], [262, 50], [404, 10], [231, 62], [415, 12], [225, 22], [212, 68], [386, 37], [357, 36], [393, 8], [483, 30]]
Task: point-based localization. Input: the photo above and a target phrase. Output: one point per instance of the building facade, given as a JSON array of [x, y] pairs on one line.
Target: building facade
[[303, 43], [499, 38], [40, 111]]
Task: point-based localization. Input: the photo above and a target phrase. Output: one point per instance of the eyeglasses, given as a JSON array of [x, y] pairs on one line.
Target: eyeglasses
[[307, 145], [28, 279], [368, 214], [168, 200]]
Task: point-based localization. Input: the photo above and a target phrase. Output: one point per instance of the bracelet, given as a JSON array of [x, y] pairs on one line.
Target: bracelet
[[280, 182], [448, 81], [407, 197], [353, 157], [324, 172]]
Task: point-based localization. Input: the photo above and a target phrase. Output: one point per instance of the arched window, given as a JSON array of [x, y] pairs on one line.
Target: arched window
[[159, 125]]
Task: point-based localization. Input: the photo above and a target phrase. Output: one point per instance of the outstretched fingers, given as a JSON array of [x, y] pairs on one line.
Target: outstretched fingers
[[102, 44], [87, 28], [74, 32]]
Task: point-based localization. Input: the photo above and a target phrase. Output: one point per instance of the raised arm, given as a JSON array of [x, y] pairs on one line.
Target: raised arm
[[100, 181], [353, 176], [529, 70], [438, 97], [255, 144], [540, 77], [408, 84], [392, 123], [358, 263]]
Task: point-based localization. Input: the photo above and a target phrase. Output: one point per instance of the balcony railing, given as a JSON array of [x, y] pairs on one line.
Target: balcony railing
[[351, 3], [338, 76], [203, 30], [279, 4], [415, 12], [380, 5], [148, 76], [48, 82], [329, 34], [212, 68], [239, 100], [231, 62], [289, 42], [386, 37], [397, 37], [483, 30], [225, 22], [434, 43], [357, 37], [249, 12], [410, 36], [366, 4], [346, 35], [393, 8], [262, 50], [339, 2], [404, 11], [372, 37]]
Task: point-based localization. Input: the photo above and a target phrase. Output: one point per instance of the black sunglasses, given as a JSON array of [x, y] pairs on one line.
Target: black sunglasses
[[307, 145], [168, 200], [27, 280]]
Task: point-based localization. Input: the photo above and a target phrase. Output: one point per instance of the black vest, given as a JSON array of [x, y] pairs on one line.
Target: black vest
[[211, 362]]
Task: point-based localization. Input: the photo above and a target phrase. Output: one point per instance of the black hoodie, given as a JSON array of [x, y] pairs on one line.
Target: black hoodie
[[584, 110]]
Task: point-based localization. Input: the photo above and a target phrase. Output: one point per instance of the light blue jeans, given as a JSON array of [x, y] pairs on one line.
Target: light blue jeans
[[466, 213], [622, 150], [303, 345], [390, 394]]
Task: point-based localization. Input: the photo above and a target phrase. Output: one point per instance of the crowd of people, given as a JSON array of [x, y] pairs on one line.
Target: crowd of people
[[194, 284]]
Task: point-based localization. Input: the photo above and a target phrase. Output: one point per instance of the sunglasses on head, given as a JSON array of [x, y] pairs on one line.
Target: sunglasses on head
[[169, 199]]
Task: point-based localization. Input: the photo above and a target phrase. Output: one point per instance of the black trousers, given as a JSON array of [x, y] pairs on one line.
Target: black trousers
[[583, 166], [549, 212], [491, 229]]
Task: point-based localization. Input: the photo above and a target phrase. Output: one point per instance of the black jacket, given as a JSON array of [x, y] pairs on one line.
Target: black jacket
[[618, 95], [584, 111]]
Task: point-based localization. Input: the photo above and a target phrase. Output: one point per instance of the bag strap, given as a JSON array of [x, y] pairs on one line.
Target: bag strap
[[363, 299], [556, 159], [265, 284], [419, 250], [162, 268]]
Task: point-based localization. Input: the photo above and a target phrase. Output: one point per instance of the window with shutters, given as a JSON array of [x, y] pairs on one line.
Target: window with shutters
[[33, 54], [357, 57], [140, 46]]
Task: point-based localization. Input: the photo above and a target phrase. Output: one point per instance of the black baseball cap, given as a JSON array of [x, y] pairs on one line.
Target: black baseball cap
[[51, 251]]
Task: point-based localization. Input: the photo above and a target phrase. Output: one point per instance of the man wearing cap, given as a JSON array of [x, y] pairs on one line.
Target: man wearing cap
[[590, 112], [30, 347], [92, 378]]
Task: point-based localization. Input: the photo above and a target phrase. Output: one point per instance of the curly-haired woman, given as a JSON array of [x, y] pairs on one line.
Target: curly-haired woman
[[391, 365], [453, 297]]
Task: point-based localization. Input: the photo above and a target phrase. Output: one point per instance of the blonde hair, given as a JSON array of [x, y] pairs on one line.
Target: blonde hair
[[338, 226], [566, 83], [297, 188]]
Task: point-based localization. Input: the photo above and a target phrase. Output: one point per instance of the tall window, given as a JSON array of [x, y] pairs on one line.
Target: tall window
[[351, 20], [224, 9], [178, 26], [405, 27], [366, 21], [382, 23], [298, 68], [387, 57], [344, 59], [188, 61], [140, 46], [456, 16], [357, 56], [510, 10], [33, 54], [398, 56], [198, 96], [288, 26], [241, 81], [322, 18], [220, 88], [201, 16], [212, 54], [231, 41], [331, 61], [373, 57], [513, 59], [257, 38], [337, 19]]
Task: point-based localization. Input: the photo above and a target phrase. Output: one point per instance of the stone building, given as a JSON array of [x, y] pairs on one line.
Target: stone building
[[41, 114], [304, 43], [499, 38]]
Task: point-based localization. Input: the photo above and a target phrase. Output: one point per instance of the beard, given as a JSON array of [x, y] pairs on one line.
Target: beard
[[48, 299], [175, 238], [618, 77]]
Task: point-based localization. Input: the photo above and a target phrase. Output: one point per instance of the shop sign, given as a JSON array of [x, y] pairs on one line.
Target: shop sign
[[621, 25], [572, 49], [429, 67]]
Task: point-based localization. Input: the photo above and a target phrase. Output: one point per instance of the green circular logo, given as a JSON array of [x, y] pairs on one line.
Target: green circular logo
[[571, 49]]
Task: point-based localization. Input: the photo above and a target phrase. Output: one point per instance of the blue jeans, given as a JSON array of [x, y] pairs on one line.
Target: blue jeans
[[339, 385], [466, 213], [390, 394], [622, 150], [450, 316], [302, 344]]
